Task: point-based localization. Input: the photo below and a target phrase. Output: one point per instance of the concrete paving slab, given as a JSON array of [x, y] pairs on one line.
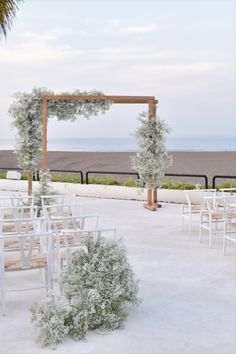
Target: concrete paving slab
[[188, 290]]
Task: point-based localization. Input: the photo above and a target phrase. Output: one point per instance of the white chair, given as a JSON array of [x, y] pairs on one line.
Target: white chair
[[229, 231], [230, 192], [193, 206], [33, 252], [70, 235], [214, 216]]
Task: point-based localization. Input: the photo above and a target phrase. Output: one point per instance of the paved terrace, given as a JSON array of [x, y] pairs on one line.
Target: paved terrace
[[188, 290]]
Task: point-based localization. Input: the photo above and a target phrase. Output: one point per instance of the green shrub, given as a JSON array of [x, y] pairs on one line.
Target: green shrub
[[66, 179], [130, 182], [227, 184], [177, 185]]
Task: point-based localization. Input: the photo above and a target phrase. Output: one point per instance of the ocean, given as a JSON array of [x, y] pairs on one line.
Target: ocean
[[129, 144]]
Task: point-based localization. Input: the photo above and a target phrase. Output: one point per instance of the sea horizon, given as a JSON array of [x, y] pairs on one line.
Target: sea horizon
[[129, 144]]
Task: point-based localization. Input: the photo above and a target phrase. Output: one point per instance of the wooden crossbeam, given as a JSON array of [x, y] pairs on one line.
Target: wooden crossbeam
[[114, 99]]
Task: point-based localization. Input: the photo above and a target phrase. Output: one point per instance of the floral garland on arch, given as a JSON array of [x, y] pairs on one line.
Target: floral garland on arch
[[26, 114]]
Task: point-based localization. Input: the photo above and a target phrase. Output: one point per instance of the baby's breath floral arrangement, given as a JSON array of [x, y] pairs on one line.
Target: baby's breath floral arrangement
[[97, 286], [26, 115], [45, 188], [153, 159]]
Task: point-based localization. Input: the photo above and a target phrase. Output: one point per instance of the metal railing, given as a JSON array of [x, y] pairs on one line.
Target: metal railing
[[219, 176], [36, 175], [188, 175], [72, 171], [109, 173], [10, 169]]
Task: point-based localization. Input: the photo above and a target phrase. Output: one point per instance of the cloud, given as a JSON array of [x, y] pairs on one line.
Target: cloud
[[60, 60], [49, 49], [51, 35], [116, 27]]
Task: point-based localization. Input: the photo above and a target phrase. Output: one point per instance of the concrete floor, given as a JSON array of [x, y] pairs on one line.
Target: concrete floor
[[188, 290]]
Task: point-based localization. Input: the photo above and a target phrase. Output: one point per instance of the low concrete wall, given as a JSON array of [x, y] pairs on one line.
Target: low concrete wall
[[98, 191]]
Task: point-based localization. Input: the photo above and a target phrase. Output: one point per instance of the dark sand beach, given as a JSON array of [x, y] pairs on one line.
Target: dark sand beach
[[207, 163]]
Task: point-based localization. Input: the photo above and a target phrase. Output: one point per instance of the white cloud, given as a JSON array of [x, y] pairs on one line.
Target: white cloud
[[116, 27], [45, 51], [139, 29], [51, 35]]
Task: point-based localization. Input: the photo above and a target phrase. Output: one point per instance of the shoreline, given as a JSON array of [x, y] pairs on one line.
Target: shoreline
[[192, 162]]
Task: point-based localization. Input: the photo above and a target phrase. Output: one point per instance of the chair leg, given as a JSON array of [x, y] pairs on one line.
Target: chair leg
[[2, 294], [210, 235], [182, 223], [200, 233], [224, 245], [189, 225], [46, 281]]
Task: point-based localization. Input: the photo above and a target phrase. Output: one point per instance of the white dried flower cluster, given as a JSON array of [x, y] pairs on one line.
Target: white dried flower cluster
[[44, 182], [26, 113], [45, 188], [97, 285], [153, 159], [51, 320]]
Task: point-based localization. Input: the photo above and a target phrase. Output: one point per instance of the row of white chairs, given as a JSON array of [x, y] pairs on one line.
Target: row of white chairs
[[213, 211], [45, 242]]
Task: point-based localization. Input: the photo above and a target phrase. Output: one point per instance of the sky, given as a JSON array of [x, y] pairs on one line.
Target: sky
[[181, 52]]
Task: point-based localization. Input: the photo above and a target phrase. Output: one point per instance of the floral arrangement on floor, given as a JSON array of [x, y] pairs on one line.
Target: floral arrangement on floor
[[96, 286]]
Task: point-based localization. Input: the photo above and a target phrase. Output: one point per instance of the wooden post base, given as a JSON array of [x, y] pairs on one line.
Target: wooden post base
[[151, 207], [30, 183]]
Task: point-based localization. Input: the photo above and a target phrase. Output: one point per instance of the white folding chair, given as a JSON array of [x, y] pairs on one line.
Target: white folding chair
[[33, 252]]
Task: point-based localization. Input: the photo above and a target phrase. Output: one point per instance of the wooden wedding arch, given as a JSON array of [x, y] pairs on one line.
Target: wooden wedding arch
[[149, 100]]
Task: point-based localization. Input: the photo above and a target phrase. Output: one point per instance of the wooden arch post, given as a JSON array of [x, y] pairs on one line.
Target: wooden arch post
[[152, 193], [45, 135], [150, 100]]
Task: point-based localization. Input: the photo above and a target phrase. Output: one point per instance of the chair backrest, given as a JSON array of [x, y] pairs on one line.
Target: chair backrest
[[54, 199], [62, 210], [78, 222], [31, 237], [75, 230], [220, 203], [12, 226], [8, 200], [15, 212], [228, 191], [16, 200], [196, 196]]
